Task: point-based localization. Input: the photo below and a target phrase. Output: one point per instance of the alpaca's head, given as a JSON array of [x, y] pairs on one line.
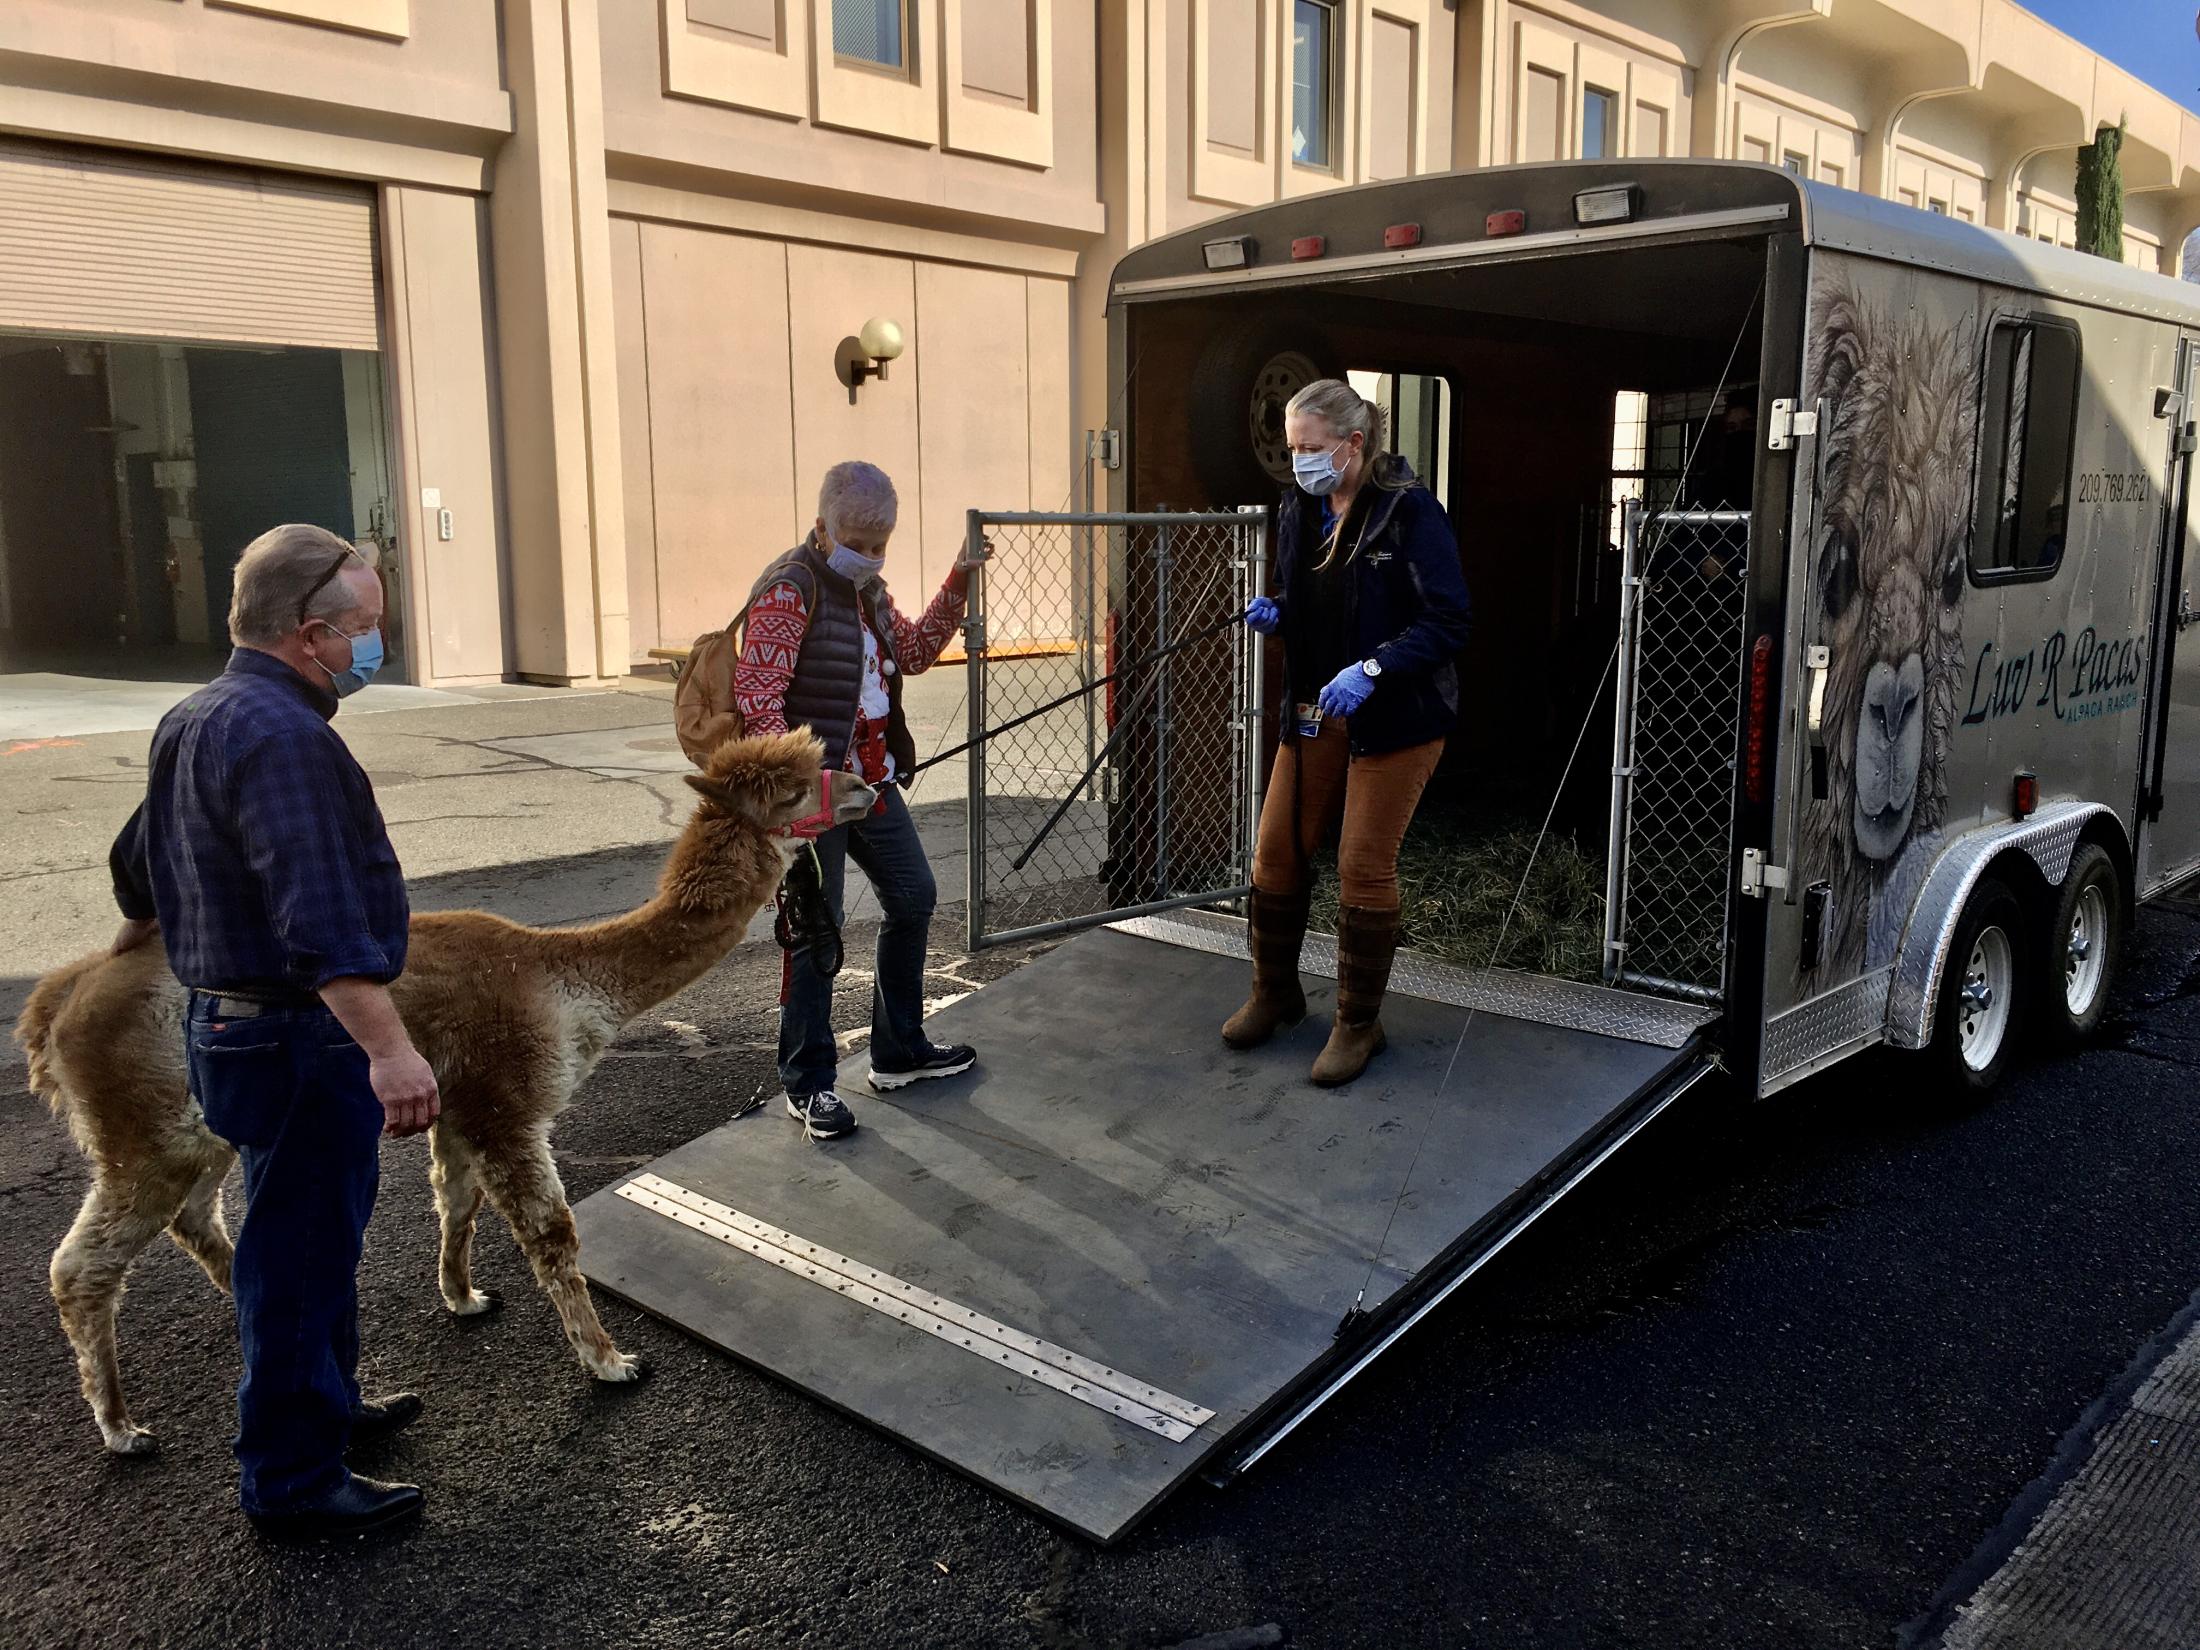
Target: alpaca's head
[[772, 780], [1889, 569]]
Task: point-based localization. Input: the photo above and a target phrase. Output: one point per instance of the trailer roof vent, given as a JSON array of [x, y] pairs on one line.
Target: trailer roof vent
[[1505, 223], [1309, 246], [1234, 253], [1616, 203]]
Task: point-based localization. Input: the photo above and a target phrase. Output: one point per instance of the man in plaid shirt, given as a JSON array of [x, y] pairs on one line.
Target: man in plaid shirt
[[826, 648], [260, 858]]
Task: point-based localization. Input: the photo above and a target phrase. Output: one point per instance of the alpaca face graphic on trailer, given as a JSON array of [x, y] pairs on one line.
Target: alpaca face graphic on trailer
[[1887, 582]]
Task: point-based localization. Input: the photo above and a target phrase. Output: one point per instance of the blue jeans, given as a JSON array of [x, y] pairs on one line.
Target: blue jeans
[[288, 1088], [885, 847]]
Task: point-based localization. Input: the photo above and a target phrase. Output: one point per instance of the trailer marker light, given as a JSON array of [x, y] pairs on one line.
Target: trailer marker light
[[1402, 235], [1505, 223], [1309, 246], [1234, 253], [1615, 203], [1754, 773], [2026, 799]]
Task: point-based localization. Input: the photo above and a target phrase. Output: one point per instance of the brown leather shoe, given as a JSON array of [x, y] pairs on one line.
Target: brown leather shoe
[[1278, 1000], [1366, 942]]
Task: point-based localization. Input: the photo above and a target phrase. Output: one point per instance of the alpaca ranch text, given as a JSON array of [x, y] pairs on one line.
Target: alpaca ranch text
[[2079, 679]]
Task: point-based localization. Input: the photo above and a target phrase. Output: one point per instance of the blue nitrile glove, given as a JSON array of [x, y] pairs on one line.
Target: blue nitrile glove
[[1262, 616], [1347, 691]]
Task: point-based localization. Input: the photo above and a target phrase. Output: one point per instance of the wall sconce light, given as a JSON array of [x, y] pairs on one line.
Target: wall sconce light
[[866, 355]]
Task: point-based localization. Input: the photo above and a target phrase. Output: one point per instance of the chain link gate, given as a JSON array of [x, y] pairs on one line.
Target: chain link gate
[[1139, 795], [1675, 746]]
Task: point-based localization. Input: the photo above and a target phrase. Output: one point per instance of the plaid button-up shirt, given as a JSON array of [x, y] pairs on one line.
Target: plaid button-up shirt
[[258, 844]]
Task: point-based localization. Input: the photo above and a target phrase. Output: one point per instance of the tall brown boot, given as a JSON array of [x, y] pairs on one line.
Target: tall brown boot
[[1366, 941], [1278, 1000]]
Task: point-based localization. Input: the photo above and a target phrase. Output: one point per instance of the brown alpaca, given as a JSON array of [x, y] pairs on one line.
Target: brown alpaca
[[1888, 583], [512, 1019]]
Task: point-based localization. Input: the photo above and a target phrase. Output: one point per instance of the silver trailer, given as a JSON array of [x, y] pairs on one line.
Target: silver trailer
[[1831, 566]]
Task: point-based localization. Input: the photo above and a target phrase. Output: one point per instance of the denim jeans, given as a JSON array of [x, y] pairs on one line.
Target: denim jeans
[[288, 1088], [884, 846]]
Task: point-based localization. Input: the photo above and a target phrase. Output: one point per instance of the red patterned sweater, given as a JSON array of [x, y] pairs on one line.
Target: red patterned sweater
[[773, 641]]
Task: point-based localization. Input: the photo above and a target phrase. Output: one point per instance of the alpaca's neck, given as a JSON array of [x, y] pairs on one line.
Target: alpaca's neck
[[721, 873]]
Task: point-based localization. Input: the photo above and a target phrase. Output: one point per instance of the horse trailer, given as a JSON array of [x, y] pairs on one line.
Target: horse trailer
[[1826, 689]]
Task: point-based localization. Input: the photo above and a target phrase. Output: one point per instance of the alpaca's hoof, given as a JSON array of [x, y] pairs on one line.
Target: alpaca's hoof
[[622, 1367], [476, 1305], [129, 1439]]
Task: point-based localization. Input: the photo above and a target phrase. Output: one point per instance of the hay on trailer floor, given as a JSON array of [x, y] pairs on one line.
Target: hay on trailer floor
[[1457, 879]]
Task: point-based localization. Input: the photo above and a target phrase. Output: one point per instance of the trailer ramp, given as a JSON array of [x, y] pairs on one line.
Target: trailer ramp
[[1119, 1253]]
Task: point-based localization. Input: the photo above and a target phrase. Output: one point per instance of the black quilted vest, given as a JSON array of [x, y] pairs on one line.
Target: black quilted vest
[[828, 673]]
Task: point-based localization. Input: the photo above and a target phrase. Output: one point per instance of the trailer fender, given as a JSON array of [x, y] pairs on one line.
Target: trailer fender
[[2048, 839]]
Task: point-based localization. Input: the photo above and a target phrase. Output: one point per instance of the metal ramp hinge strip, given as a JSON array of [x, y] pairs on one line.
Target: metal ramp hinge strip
[[1079, 1377]]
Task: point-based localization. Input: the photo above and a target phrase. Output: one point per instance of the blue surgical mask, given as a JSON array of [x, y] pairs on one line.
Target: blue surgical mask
[[366, 659], [852, 565], [1318, 472]]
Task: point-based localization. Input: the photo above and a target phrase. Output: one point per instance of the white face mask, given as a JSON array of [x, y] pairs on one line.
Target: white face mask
[[852, 565]]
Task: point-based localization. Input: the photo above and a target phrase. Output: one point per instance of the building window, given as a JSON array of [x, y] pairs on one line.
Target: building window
[[1599, 112], [1934, 204], [1908, 197], [2028, 422], [872, 31], [1799, 164], [1649, 129], [1545, 103], [1830, 173], [1757, 149], [1313, 59]]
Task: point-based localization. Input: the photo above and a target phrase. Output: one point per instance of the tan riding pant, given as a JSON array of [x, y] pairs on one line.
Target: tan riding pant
[[1373, 797]]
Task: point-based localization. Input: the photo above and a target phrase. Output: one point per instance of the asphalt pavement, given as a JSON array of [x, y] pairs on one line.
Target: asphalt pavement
[[1774, 1377]]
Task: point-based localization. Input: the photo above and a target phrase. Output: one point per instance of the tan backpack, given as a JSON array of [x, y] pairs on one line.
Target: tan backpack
[[704, 715]]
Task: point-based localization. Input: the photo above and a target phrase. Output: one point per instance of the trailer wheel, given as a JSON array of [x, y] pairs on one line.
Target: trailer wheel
[[1244, 378], [1982, 991], [2084, 940]]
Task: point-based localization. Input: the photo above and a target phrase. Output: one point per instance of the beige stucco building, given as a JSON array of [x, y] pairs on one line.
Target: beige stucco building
[[558, 298]]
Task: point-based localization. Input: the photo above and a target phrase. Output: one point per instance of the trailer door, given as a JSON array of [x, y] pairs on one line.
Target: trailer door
[[2169, 794]]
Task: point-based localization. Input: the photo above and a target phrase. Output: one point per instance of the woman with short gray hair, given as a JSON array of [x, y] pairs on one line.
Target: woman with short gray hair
[[826, 648]]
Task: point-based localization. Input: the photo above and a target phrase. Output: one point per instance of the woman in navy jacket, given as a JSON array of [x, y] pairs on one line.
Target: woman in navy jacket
[[1372, 608]]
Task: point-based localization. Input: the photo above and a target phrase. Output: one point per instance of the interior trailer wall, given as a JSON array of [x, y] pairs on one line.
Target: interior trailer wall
[[1530, 466]]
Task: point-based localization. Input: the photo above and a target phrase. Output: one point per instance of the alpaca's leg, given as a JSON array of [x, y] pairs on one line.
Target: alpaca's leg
[[87, 1274], [458, 1194], [199, 1229], [527, 1193]]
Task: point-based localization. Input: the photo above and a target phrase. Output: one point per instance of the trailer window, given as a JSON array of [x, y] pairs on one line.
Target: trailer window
[[2028, 419], [1416, 410]]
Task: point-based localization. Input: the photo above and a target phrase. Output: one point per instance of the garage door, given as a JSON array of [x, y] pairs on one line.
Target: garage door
[[128, 246]]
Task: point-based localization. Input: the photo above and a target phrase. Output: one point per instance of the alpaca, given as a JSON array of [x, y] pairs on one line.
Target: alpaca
[[1887, 579], [511, 1018]]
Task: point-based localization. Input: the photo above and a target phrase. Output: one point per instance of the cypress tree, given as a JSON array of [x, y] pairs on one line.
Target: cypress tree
[[2101, 194]]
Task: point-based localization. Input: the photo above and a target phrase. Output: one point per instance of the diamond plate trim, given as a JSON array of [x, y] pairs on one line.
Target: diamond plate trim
[[1835, 1019], [1656, 1021], [2049, 837]]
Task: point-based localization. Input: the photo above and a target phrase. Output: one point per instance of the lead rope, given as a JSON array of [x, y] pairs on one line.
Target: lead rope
[[1357, 1310]]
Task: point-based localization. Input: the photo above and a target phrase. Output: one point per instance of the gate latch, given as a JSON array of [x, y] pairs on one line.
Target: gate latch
[[1106, 448], [1788, 424], [1757, 876]]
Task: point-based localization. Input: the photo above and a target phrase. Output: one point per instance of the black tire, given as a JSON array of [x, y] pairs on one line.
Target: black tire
[[1244, 376], [1974, 1040], [2081, 947]]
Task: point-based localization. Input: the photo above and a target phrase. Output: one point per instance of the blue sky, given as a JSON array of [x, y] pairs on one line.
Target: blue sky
[[2152, 39]]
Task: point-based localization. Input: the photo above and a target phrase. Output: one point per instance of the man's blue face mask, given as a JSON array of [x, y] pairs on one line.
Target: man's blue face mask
[[366, 659]]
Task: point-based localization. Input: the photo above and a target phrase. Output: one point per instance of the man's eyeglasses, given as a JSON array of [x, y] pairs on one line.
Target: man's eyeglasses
[[335, 567]]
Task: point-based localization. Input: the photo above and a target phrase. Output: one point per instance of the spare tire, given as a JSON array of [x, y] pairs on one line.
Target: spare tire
[[1244, 378]]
